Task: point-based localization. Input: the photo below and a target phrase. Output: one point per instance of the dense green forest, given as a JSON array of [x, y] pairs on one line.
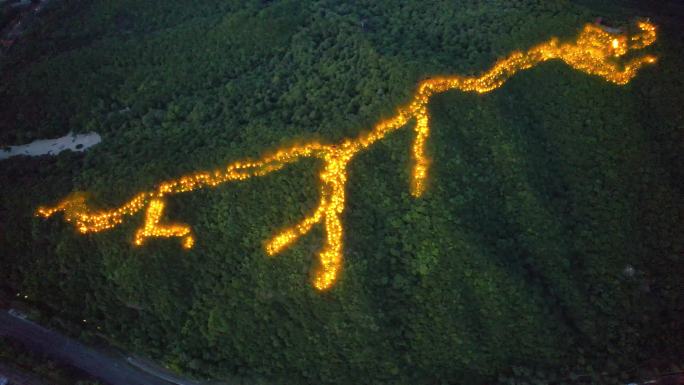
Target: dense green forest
[[549, 246]]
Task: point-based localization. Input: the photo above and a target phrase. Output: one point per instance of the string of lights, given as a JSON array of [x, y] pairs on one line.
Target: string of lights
[[594, 52]]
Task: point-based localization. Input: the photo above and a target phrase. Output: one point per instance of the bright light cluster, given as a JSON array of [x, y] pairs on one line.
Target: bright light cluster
[[594, 52], [152, 228]]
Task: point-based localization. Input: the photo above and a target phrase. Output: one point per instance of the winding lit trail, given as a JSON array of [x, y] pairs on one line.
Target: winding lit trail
[[594, 52]]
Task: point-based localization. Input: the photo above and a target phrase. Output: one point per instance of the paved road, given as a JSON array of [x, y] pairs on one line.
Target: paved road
[[110, 370], [16, 376]]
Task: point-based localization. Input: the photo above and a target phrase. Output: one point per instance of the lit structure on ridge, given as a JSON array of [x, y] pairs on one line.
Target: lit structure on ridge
[[594, 52]]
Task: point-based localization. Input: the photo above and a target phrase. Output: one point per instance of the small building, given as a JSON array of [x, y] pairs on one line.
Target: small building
[[599, 22]]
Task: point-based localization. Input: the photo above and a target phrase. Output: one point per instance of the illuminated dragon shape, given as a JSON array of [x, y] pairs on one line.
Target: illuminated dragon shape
[[594, 52]]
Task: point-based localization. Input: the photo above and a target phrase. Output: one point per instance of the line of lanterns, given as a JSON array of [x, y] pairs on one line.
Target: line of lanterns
[[593, 52]]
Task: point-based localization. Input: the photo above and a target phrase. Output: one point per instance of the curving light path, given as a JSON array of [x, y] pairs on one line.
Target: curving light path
[[595, 52]]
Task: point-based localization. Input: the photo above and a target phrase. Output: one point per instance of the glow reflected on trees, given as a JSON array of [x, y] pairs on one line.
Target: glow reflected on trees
[[594, 52]]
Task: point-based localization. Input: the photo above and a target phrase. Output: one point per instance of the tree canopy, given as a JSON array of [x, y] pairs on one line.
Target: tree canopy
[[548, 245]]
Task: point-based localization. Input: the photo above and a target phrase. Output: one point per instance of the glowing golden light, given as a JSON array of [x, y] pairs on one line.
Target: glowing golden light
[[594, 52]]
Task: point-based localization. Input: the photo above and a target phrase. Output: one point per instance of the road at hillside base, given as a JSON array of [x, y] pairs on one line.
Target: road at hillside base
[[66, 350]]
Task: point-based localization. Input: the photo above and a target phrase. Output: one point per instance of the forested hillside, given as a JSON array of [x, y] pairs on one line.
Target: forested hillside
[[549, 244]]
